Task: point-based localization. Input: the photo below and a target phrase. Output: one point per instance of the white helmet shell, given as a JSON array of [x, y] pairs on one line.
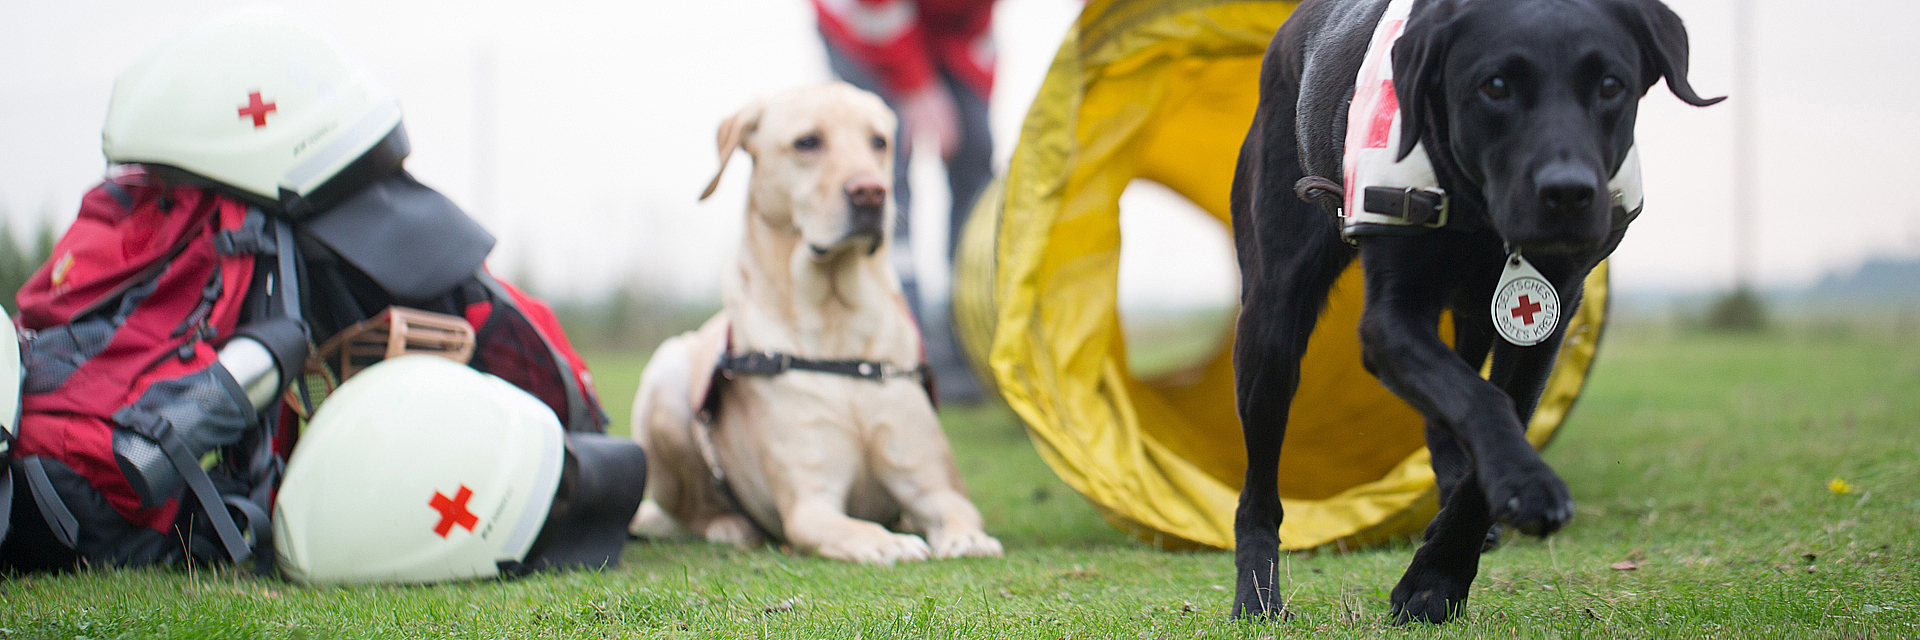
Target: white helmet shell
[[12, 375], [418, 469], [253, 101]]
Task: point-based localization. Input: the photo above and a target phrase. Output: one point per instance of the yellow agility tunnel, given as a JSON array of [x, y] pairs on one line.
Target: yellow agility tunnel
[[1164, 90]]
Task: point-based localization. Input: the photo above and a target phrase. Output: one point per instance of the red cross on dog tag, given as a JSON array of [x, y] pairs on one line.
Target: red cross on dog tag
[[1525, 306], [453, 511]]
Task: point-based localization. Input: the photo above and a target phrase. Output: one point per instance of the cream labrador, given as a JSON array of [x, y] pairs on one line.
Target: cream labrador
[[823, 428]]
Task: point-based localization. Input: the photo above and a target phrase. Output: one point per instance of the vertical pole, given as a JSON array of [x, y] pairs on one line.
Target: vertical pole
[[485, 139], [1745, 103]]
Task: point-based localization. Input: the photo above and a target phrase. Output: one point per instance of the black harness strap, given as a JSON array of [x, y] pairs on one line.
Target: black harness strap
[[768, 363], [6, 500], [1424, 207], [704, 417], [211, 502], [60, 520]]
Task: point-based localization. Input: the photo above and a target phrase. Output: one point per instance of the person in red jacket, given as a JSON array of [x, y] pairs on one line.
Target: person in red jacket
[[932, 61]]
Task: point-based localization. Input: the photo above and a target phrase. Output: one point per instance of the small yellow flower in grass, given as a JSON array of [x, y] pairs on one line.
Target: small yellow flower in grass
[[1839, 487]]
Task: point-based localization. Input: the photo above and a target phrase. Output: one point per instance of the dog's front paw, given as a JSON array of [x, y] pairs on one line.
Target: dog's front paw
[[878, 547], [733, 529], [1255, 598], [653, 522], [1254, 609], [966, 544], [1430, 598], [1534, 501]]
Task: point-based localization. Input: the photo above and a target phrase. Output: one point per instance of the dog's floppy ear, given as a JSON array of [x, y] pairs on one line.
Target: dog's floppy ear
[[1663, 43], [733, 135], [1419, 57]]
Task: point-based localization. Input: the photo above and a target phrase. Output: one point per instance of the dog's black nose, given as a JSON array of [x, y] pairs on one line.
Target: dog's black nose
[[1565, 189], [864, 193]]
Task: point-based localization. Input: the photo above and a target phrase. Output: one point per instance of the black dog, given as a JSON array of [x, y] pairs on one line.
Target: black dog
[[1526, 108]]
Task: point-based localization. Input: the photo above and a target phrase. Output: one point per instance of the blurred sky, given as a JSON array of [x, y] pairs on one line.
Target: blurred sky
[[603, 118]]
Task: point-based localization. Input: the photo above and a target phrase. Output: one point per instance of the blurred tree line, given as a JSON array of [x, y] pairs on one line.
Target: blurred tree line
[[632, 318], [22, 251]]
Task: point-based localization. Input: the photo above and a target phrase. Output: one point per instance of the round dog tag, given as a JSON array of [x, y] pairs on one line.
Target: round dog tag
[[1525, 306]]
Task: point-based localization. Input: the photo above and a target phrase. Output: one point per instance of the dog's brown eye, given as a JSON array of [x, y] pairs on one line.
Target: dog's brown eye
[[807, 142], [1610, 87], [880, 143], [1496, 88]]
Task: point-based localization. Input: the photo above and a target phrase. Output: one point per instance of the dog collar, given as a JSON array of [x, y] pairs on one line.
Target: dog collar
[[1389, 196]]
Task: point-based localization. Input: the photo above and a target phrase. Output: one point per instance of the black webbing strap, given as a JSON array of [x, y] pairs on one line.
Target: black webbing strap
[[1429, 207], [766, 363], [703, 424], [66, 528], [119, 193], [6, 501], [260, 525], [263, 467], [763, 363], [1425, 207], [287, 250], [725, 488], [6, 470], [286, 291], [210, 500], [253, 237]]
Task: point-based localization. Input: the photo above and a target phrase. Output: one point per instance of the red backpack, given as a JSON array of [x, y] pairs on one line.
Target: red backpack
[[124, 384]]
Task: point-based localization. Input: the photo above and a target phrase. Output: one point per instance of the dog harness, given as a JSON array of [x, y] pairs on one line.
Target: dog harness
[[1385, 196], [715, 364], [769, 363]]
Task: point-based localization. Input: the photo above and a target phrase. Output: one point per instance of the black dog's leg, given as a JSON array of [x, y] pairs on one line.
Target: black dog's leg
[[1267, 351], [1431, 584], [1290, 253], [1403, 348], [1437, 581], [1406, 283], [1451, 462]]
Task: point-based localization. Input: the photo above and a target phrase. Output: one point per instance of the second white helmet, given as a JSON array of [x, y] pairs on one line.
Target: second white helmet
[[421, 469]]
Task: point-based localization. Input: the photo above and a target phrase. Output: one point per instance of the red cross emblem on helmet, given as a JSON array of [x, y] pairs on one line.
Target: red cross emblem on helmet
[[258, 109], [453, 511]]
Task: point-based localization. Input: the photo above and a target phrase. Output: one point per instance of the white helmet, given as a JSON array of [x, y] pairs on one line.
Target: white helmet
[[12, 375], [421, 469], [254, 102], [265, 109]]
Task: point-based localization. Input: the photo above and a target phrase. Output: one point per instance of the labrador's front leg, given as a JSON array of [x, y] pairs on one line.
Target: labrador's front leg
[[813, 501], [912, 459]]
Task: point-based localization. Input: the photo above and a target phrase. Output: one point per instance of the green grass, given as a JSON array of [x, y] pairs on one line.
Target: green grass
[[1705, 460]]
